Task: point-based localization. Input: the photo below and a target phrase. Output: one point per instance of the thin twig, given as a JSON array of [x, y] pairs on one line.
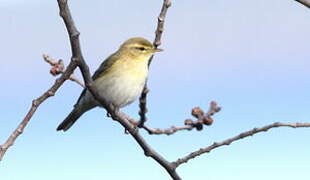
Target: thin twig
[[304, 2], [202, 119], [160, 22], [116, 115], [169, 131], [157, 42], [58, 67], [235, 138], [35, 104]]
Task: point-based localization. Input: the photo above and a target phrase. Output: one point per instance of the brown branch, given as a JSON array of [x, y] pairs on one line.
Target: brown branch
[[238, 137], [157, 42], [304, 2], [116, 115], [35, 104], [160, 22], [202, 119], [58, 67], [168, 131]]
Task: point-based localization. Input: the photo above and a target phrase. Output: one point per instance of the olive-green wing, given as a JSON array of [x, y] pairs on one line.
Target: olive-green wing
[[104, 66]]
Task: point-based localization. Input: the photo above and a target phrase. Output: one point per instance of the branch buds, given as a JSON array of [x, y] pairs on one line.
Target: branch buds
[[57, 68], [202, 118]]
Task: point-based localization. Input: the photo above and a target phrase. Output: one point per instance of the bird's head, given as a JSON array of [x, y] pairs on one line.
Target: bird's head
[[138, 47]]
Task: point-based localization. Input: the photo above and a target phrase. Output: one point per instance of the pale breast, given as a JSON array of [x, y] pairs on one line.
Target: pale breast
[[123, 85]]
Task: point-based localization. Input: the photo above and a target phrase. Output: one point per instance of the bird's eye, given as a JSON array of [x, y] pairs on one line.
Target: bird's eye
[[141, 48]]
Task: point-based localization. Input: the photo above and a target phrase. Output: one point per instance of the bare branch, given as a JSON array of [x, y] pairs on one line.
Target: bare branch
[[202, 119], [142, 105], [157, 42], [35, 104], [169, 131], [58, 67], [304, 2], [160, 22], [238, 137], [116, 115]]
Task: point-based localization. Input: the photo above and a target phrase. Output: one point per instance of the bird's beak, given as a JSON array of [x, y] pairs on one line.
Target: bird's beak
[[157, 50]]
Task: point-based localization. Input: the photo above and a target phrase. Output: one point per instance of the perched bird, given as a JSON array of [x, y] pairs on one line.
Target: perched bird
[[120, 78]]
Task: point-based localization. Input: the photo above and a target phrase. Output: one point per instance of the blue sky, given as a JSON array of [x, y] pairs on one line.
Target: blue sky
[[252, 58]]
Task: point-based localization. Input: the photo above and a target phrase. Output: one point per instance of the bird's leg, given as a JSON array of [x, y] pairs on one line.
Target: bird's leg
[[114, 109]]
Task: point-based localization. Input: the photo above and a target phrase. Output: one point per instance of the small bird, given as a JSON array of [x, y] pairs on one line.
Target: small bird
[[120, 78]]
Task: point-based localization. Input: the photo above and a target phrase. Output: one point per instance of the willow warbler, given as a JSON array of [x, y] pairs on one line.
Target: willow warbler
[[120, 78]]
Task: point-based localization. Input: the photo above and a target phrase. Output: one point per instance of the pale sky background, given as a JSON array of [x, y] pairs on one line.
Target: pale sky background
[[252, 57]]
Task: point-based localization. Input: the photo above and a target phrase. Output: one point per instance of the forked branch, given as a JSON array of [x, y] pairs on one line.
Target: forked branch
[[58, 68], [35, 104], [189, 124]]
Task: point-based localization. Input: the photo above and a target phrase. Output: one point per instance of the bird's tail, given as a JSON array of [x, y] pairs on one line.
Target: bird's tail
[[70, 119]]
